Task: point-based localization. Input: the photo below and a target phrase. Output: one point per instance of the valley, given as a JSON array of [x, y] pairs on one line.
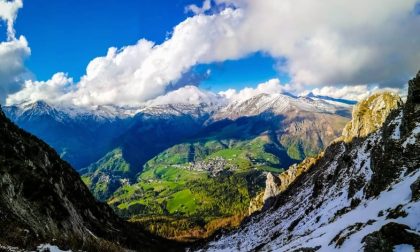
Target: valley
[[209, 126], [193, 169]]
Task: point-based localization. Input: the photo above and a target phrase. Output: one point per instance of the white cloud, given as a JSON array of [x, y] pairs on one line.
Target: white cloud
[[8, 12], [272, 86], [355, 93], [13, 52], [12, 68], [54, 90], [329, 42], [325, 42], [188, 95], [199, 10], [138, 73]]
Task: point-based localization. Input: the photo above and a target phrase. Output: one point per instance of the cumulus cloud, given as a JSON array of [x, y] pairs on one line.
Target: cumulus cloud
[[13, 52], [188, 95], [54, 90], [321, 42], [138, 73], [12, 68], [329, 42], [272, 86]]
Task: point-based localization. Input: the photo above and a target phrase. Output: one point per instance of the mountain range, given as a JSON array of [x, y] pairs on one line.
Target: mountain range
[[162, 160], [362, 193]]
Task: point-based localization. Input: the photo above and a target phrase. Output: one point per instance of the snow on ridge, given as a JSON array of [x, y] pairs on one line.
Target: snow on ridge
[[404, 248], [199, 103], [63, 111], [366, 211], [305, 220], [413, 136], [397, 121], [277, 103]]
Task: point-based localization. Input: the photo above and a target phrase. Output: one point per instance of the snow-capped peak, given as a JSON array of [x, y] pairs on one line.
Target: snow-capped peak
[[65, 111], [277, 103]]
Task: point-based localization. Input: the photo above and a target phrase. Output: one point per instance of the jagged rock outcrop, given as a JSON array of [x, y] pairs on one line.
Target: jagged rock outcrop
[[369, 114], [412, 107], [361, 195], [277, 184], [287, 177], [272, 186], [43, 200]]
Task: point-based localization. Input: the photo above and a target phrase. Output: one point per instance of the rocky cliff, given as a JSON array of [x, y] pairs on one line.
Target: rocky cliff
[[369, 115], [43, 200], [362, 194]]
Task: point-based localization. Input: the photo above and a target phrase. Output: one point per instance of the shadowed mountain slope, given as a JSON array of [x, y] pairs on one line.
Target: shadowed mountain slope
[[42, 199]]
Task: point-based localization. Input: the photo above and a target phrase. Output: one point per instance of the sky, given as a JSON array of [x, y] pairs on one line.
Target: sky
[[65, 35], [123, 52]]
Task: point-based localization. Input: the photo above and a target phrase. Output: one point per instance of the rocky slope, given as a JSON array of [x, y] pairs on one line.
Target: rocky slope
[[361, 194], [42, 199]]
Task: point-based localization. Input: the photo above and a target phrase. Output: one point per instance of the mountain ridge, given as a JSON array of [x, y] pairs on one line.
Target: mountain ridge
[[359, 195]]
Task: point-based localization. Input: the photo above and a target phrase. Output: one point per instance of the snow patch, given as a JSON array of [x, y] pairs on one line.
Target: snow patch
[[404, 248], [397, 121], [50, 248], [368, 210], [413, 137]]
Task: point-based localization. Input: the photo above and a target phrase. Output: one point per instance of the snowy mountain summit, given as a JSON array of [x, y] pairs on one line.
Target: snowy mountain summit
[[361, 194], [197, 104]]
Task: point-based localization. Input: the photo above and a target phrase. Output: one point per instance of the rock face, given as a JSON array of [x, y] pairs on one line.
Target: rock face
[[412, 107], [369, 114], [43, 200], [390, 235], [272, 186], [360, 195], [277, 184]]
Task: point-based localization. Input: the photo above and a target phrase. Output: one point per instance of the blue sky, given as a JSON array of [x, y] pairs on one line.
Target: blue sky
[[246, 72], [64, 36]]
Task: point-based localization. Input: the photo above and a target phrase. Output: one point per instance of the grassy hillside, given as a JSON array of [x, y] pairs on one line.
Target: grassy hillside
[[108, 174], [184, 187], [206, 182]]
